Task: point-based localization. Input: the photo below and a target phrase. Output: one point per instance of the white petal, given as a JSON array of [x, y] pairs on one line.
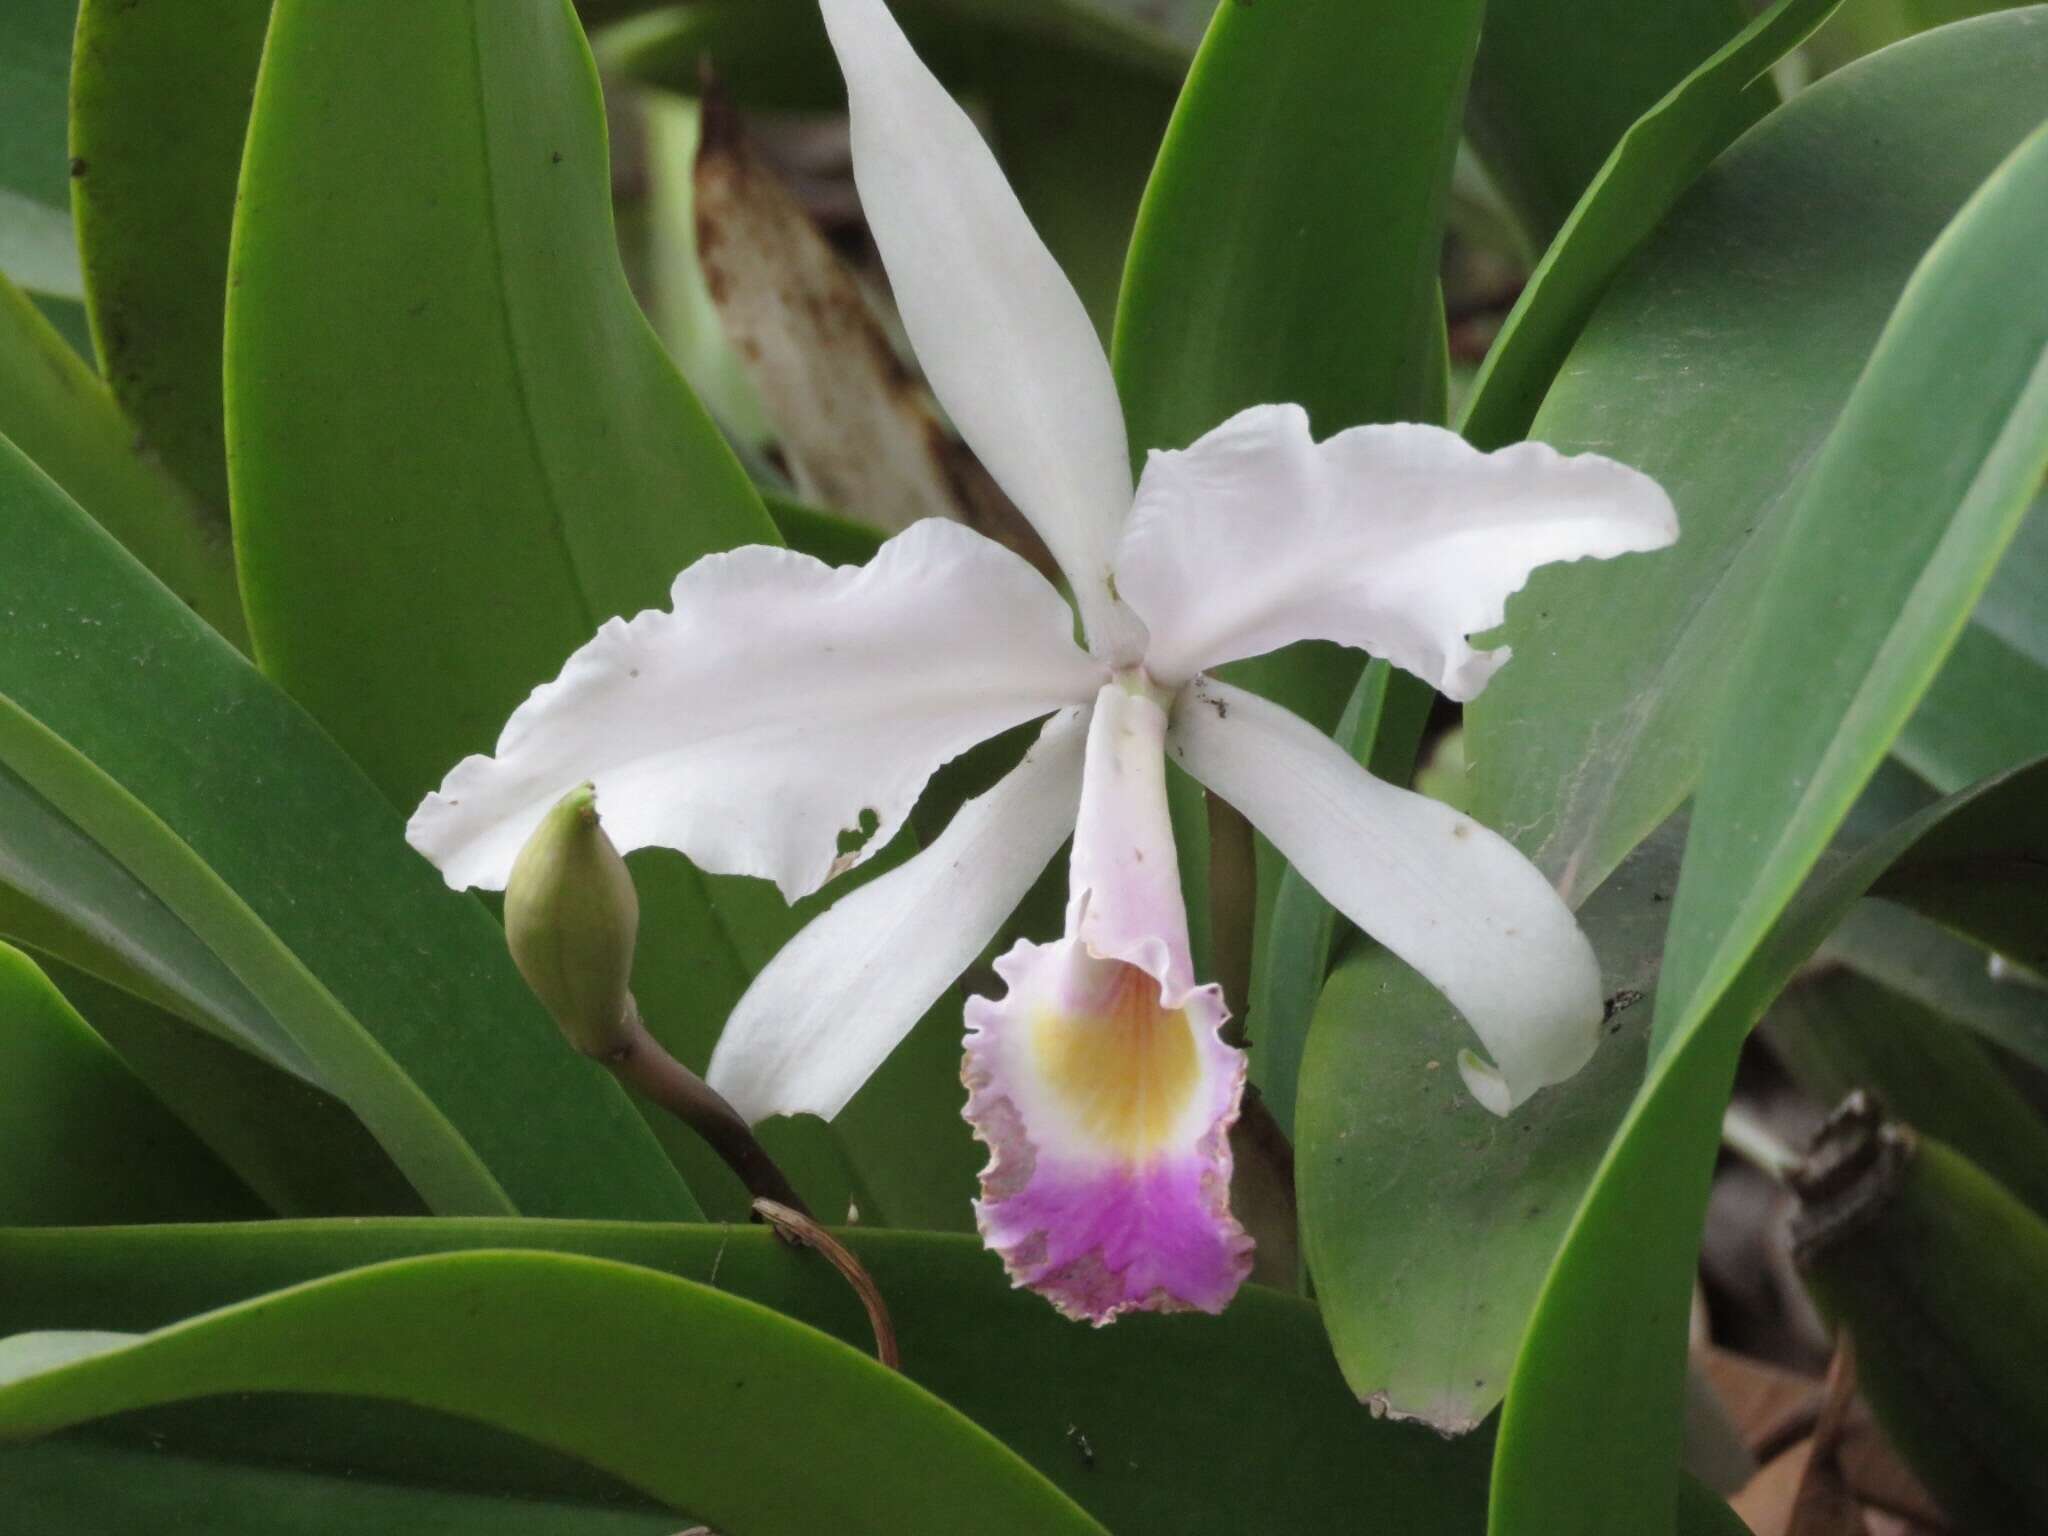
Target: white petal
[[1126, 902], [839, 997], [777, 702], [1452, 899], [1002, 336], [1401, 540]]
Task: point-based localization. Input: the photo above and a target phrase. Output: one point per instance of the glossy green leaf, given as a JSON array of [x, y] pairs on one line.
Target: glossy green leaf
[[145, 731], [1718, 362], [82, 1140], [457, 448], [36, 246], [1124, 1419], [1558, 82], [1430, 1223], [1841, 1031], [1812, 711], [61, 893], [1343, 192], [159, 109], [300, 1150], [715, 1406], [1661, 154], [1921, 961], [1984, 712], [76, 1484], [1646, 1201], [56, 410], [456, 445]]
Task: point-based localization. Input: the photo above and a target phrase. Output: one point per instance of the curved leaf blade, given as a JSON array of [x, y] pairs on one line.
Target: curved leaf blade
[[147, 732], [82, 1140], [1557, 84], [1661, 154], [1810, 718], [1123, 1419], [56, 410], [716, 1406], [159, 109], [1789, 254]]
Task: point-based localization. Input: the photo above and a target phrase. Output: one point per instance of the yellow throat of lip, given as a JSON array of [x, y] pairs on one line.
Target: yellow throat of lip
[[1125, 1069]]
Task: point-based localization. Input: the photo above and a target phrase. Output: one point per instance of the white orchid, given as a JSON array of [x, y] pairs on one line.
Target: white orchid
[[780, 700]]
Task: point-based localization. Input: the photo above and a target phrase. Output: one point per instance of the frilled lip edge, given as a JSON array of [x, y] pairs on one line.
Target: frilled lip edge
[[1100, 1230]]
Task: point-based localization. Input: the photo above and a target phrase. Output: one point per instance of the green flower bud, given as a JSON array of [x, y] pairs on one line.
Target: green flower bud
[[571, 919]]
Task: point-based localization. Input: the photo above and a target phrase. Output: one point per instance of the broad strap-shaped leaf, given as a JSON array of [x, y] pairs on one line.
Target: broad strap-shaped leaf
[[78, 1484], [1840, 1031], [457, 448], [37, 250], [717, 1407], [144, 730], [83, 1140], [1324, 294], [1923, 962], [1110, 1415], [1660, 155], [1558, 82], [1344, 194], [1789, 254], [1429, 1222], [299, 1149], [56, 410], [1810, 713], [63, 894], [159, 110]]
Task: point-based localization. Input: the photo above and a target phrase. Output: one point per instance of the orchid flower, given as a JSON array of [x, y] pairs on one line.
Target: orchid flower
[[781, 701]]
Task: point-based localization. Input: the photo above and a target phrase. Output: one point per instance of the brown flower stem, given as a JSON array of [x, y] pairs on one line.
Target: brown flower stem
[[798, 1227], [642, 1066]]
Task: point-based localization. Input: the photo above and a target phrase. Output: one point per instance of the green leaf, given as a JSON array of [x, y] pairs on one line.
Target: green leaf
[[159, 109], [1718, 362], [1556, 85], [75, 1484], [60, 892], [1661, 154], [1192, 1424], [1344, 192], [1639, 1223], [1813, 709], [457, 447], [1984, 711], [82, 1140], [1324, 292], [37, 249], [1429, 1222], [143, 729], [300, 1150], [56, 410], [1920, 961], [1840, 1032], [713, 1405]]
